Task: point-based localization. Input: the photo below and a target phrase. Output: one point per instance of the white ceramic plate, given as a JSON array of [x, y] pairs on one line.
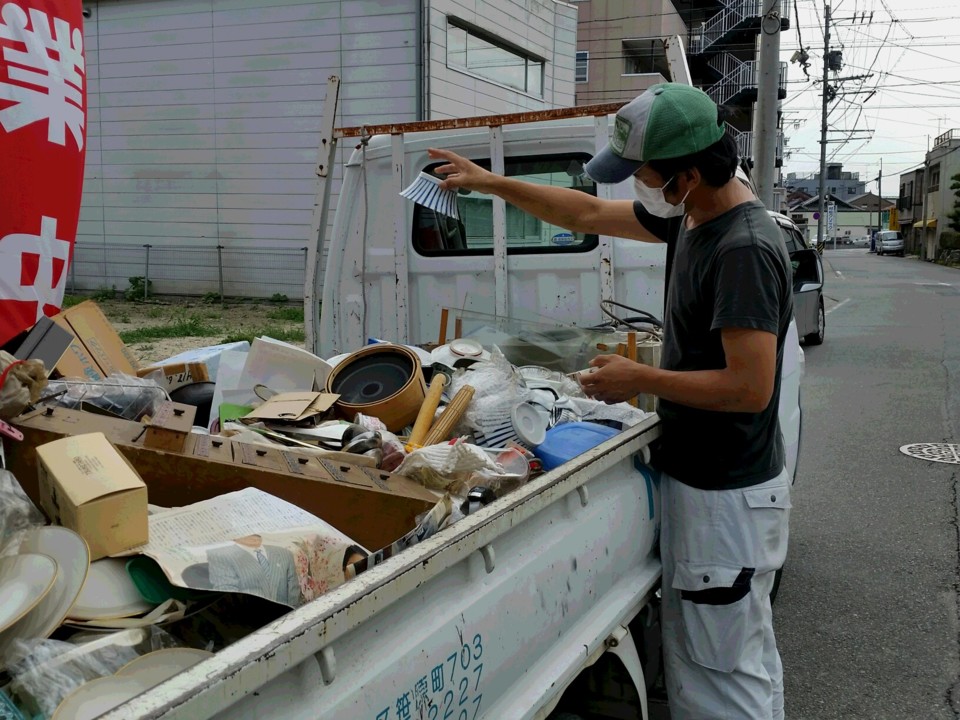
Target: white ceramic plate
[[73, 558], [24, 581], [93, 699], [156, 667], [108, 593]]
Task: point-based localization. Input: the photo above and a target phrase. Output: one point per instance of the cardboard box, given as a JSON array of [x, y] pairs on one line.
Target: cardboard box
[[169, 427], [294, 407], [85, 484], [177, 375], [46, 342], [97, 350], [372, 506]]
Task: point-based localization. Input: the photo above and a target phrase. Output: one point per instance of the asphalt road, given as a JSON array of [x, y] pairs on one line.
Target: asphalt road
[[867, 618]]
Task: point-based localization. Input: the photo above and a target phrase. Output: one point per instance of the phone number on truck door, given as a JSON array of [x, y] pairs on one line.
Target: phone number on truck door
[[451, 691]]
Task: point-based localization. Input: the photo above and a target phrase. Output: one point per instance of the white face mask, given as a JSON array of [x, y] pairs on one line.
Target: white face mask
[[654, 202]]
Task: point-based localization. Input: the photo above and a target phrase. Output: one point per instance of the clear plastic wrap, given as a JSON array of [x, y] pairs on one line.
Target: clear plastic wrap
[[17, 514], [22, 382], [46, 671], [456, 467], [118, 394]]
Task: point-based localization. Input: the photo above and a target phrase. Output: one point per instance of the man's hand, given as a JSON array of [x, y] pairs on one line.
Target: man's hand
[[612, 379], [460, 172]]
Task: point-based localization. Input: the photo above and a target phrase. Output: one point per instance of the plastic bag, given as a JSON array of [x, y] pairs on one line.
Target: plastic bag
[[21, 385], [456, 467], [18, 514], [46, 671], [118, 394]]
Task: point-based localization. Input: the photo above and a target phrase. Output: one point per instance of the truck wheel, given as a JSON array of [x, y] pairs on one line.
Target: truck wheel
[[816, 338]]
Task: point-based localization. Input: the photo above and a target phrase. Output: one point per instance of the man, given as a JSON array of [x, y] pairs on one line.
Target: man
[[249, 566], [725, 494]]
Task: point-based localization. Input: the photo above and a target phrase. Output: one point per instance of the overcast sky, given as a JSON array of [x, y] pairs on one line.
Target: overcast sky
[[910, 48]]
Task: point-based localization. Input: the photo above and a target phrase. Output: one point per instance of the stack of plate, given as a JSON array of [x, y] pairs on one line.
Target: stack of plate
[[109, 594], [97, 697], [38, 586]]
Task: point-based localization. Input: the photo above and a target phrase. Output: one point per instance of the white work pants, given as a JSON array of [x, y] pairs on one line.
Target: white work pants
[[720, 550]]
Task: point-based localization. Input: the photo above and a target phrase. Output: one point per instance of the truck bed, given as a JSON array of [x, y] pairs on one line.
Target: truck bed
[[490, 618]]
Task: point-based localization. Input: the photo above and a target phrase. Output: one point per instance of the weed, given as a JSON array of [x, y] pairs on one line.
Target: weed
[[191, 326], [279, 298], [135, 292], [287, 314], [105, 293], [70, 300], [124, 319], [292, 335], [156, 313], [211, 297]]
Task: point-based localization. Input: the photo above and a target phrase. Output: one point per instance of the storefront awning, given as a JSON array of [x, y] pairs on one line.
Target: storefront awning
[[932, 222]]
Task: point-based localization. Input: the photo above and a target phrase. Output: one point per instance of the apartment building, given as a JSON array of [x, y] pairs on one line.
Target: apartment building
[[620, 52]]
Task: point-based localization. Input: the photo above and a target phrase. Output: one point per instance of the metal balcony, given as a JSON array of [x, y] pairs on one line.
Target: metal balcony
[[744, 141], [740, 80], [739, 17]]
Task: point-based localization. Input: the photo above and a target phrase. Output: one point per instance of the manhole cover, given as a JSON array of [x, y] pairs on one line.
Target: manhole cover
[[935, 452]]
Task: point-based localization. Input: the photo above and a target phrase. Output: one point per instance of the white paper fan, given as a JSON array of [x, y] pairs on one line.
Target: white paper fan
[[426, 191]]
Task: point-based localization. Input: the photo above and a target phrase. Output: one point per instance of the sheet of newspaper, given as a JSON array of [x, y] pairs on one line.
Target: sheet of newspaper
[[251, 542]]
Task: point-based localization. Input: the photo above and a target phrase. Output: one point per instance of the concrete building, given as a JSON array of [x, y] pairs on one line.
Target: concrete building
[[620, 52], [942, 163], [844, 185], [204, 117], [910, 208]]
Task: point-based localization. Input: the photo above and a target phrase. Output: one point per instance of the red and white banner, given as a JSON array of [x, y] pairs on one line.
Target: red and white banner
[[43, 110]]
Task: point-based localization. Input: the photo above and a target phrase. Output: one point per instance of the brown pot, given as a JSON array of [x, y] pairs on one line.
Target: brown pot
[[385, 381]]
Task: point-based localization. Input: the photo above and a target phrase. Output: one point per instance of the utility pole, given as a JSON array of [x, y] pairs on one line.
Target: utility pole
[[765, 115], [923, 220], [880, 201], [823, 124]]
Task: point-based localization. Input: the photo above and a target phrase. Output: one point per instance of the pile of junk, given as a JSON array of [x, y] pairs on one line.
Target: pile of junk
[[150, 516]]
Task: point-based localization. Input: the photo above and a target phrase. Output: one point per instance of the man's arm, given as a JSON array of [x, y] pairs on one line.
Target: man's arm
[[571, 209], [744, 385]]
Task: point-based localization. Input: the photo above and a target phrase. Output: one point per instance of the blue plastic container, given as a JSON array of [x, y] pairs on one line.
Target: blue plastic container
[[567, 441]]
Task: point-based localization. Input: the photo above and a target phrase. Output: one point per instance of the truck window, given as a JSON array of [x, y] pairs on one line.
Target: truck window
[[435, 234]]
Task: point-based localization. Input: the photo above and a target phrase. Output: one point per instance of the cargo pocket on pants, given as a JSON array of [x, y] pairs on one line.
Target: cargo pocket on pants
[[715, 606]]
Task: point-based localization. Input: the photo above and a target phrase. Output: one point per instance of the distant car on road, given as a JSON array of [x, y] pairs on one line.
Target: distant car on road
[[862, 242], [807, 282], [889, 242]]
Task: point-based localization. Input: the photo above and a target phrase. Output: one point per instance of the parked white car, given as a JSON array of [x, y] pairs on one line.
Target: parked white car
[[889, 242]]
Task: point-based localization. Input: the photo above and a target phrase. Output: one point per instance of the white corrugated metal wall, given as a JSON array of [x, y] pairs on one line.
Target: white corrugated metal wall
[[204, 120]]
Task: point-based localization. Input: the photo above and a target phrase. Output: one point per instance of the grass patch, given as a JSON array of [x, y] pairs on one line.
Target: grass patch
[[192, 326], [70, 300], [292, 335], [287, 314]]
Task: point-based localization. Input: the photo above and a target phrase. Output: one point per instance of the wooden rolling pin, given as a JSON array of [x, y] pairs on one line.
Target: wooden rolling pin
[[429, 408], [450, 416]]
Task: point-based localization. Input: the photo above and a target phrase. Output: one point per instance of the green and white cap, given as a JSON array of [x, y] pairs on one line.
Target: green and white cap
[[668, 120]]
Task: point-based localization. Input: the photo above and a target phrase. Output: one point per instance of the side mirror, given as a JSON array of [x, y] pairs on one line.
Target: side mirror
[[808, 287]]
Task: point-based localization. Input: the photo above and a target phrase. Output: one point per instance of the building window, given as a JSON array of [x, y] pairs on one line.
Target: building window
[[492, 59], [582, 71], [435, 234], [642, 57], [934, 178]]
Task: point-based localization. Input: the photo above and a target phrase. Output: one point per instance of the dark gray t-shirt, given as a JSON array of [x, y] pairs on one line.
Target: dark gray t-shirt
[[730, 272]]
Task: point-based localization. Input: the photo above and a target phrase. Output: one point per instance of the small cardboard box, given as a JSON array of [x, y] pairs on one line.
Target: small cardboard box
[[169, 427], [85, 484], [97, 350]]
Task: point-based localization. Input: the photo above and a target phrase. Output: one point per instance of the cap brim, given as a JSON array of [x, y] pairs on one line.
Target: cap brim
[[608, 167]]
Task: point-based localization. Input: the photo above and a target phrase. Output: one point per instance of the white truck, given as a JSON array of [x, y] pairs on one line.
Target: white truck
[[540, 605]]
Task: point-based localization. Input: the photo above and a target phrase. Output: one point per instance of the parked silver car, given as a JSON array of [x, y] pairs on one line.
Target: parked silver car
[[807, 282], [889, 242]]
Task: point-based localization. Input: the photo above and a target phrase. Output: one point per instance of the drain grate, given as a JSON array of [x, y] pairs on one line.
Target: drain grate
[[935, 452]]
